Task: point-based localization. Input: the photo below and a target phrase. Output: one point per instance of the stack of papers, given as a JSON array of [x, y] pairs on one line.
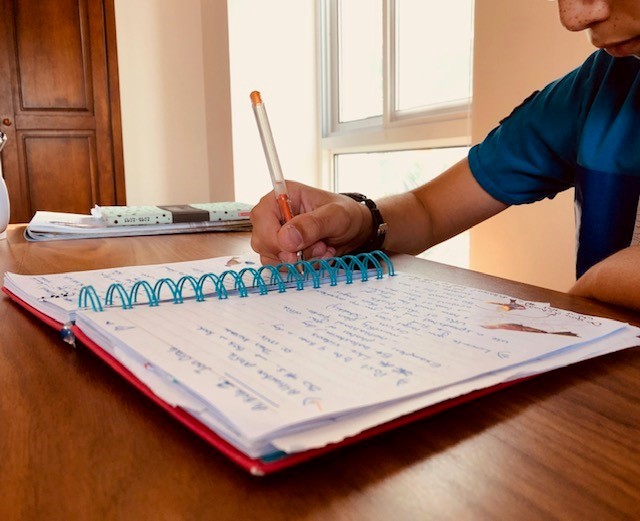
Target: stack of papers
[[50, 226], [294, 370], [171, 214]]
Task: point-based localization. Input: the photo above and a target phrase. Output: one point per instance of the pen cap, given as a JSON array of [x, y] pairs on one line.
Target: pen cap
[[268, 144]]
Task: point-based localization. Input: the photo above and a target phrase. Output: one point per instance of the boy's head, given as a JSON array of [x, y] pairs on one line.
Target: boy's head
[[613, 25]]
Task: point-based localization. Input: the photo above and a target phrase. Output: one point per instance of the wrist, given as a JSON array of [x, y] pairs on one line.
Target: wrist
[[377, 230]]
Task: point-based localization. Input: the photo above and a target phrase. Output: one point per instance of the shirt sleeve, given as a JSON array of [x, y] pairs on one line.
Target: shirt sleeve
[[532, 153]]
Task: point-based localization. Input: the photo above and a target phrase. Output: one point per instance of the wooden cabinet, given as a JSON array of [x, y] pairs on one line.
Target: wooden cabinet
[[60, 106]]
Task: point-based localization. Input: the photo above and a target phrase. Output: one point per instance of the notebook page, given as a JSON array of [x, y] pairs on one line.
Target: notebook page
[[57, 294], [269, 362], [335, 432]]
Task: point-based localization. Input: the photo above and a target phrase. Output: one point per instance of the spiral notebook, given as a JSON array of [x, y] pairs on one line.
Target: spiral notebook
[[275, 365]]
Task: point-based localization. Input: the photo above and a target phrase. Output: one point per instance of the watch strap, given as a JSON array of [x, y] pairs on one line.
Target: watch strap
[[378, 228]]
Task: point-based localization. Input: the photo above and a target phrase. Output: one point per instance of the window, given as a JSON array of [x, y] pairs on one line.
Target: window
[[396, 96], [359, 60]]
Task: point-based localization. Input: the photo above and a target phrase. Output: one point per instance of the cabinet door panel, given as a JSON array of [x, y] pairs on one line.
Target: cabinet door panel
[[54, 184], [51, 40], [60, 109]]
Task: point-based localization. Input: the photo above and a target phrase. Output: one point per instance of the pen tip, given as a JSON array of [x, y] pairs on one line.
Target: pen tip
[[255, 97]]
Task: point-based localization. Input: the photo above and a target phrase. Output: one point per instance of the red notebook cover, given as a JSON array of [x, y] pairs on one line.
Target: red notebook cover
[[256, 466]]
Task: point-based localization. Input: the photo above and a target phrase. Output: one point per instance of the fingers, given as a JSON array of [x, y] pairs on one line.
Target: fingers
[[326, 224], [277, 243], [331, 225], [265, 221]]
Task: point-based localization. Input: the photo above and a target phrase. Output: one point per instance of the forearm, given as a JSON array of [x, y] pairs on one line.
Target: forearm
[[451, 203], [615, 280], [328, 224], [408, 224]]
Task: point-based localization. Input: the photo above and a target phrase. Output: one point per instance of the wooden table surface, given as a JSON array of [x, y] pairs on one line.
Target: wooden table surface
[[78, 442]]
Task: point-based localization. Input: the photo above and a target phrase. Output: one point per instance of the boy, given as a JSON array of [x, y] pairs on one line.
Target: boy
[[582, 130]]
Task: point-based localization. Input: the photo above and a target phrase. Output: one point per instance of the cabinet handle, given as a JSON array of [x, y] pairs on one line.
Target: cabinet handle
[[6, 122]]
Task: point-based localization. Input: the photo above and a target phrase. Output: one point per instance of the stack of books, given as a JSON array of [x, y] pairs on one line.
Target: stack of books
[[123, 221]]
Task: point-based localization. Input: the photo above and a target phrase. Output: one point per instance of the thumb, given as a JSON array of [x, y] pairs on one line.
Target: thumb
[[334, 224]]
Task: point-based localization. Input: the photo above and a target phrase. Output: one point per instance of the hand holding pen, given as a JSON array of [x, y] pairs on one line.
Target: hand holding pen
[[279, 184]]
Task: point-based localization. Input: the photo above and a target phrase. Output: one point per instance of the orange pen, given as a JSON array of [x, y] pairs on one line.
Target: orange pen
[[269, 146]]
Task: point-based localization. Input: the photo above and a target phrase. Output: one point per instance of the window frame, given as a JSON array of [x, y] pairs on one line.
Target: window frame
[[425, 127]]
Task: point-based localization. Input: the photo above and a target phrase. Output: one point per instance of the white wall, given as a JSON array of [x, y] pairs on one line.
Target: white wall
[[272, 49], [160, 59], [520, 46], [188, 128], [215, 43]]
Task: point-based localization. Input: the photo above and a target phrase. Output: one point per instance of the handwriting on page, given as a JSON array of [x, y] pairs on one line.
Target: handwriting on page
[[63, 289], [303, 354]]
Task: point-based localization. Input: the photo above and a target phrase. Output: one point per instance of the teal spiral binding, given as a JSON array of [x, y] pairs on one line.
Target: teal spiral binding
[[262, 280]]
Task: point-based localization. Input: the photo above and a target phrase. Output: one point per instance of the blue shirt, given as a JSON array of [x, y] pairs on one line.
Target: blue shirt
[[580, 131]]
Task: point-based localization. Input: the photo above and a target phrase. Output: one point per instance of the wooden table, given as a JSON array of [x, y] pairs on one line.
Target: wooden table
[[78, 442]]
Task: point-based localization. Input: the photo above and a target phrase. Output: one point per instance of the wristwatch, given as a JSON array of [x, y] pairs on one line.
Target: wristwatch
[[378, 228]]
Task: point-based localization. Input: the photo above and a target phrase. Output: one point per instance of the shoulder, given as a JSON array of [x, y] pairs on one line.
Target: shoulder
[[566, 102], [602, 71]]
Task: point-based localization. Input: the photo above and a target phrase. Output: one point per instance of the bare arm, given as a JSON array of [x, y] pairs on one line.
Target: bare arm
[[436, 211], [615, 280], [329, 224]]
